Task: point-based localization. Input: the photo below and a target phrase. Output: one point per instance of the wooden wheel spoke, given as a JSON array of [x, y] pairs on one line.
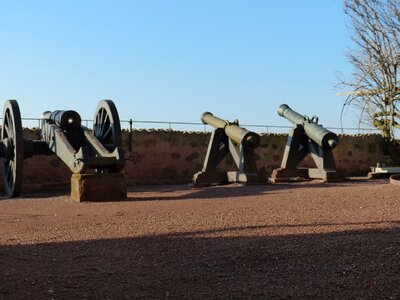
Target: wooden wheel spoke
[[6, 126], [103, 122], [10, 173], [11, 126], [7, 131], [105, 125], [108, 131]]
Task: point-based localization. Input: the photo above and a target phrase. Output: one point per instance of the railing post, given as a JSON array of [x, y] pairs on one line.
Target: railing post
[[38, 131], [130, 135]]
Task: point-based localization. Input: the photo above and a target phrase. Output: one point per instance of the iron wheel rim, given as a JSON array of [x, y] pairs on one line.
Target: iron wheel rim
[[12, 168], [106, 124]]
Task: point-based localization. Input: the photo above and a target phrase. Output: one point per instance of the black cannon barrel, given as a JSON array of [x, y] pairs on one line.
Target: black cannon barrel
[[285, 111], [236, 133], [210, 119], [65, 119], [317, 133]]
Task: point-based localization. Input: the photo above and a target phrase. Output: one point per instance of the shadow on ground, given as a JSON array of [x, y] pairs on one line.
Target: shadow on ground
[[193, 265], [187, 192]]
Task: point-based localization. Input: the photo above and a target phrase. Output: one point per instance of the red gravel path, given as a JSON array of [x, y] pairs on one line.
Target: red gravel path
[[337, 240]]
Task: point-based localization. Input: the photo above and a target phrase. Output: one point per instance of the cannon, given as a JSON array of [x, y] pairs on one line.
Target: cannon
[[95, 158], [306, 138], [229, 139]]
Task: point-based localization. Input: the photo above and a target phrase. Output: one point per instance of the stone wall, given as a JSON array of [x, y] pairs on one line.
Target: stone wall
[[355, 154], [160, 156], [163, 157], [173, 157]]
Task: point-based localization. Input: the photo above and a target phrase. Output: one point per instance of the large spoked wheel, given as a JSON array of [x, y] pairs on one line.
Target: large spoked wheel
[[12, 138], [106, 125]]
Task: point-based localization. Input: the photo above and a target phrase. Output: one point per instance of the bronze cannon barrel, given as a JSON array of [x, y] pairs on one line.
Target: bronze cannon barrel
[[317, 133], [65, 119], [236, 133]]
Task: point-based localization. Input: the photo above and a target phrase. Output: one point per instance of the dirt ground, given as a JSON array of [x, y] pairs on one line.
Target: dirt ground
[[295, 240]]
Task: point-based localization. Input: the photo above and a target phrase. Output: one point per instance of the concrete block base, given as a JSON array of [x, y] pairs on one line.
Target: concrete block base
[[202, 179], [287, 175], [98, 187]]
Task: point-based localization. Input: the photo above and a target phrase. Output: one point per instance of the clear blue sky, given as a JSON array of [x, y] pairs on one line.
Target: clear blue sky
[[174, 59]]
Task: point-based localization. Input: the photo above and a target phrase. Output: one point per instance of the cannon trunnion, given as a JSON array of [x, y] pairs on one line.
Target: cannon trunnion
[[94, 155], [306, 138], [229, 139]]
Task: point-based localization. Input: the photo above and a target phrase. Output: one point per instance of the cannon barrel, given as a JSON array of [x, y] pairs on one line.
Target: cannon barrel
[[317, 133], [65, 119], [236, 133]]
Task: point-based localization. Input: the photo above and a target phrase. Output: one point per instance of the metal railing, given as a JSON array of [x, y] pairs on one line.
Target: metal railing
[[261, 128], [198, 126]]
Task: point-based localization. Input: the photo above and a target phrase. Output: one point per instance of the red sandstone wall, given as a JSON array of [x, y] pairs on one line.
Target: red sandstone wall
[[171, 156], [161, 157], [43, 171], [356, 154]]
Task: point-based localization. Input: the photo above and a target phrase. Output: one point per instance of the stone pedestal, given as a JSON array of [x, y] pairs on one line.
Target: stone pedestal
[[299, 174], [98, 187], [202, 179]]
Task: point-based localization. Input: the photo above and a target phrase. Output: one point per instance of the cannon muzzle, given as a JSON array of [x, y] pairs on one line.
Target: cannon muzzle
[[314, 131], [236, 133], [65, 119]]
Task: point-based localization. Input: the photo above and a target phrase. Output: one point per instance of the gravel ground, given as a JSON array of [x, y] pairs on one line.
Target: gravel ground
[[297, 240]]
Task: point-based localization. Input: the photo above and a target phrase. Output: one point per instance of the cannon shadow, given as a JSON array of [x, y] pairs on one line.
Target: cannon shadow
[[187, 192]]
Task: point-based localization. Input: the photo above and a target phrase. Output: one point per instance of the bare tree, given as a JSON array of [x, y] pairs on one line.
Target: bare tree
[[373, 89]]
